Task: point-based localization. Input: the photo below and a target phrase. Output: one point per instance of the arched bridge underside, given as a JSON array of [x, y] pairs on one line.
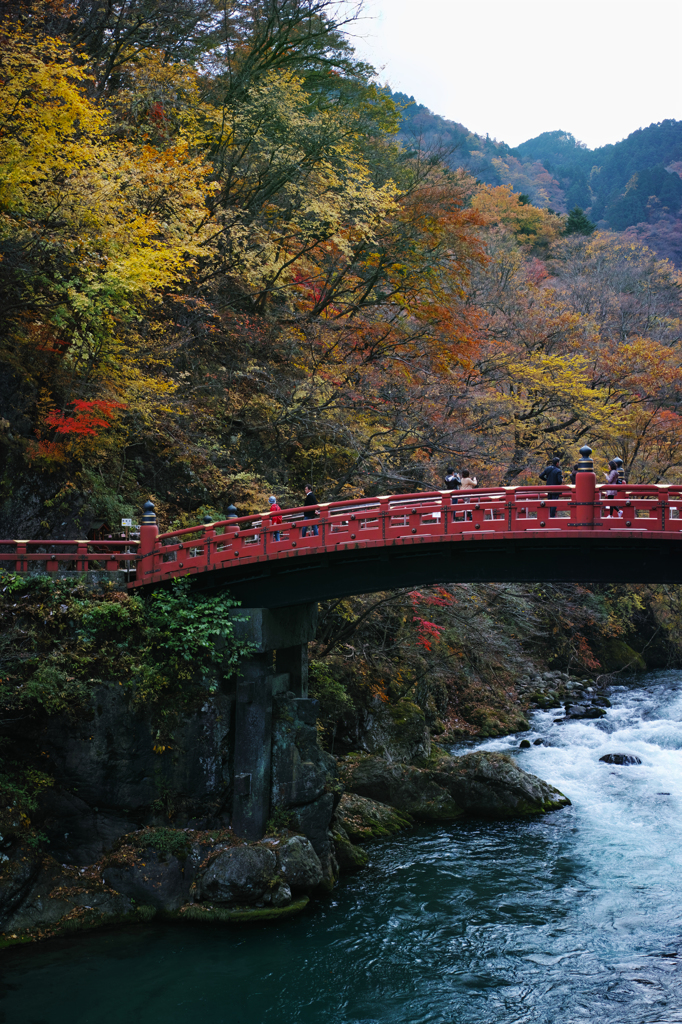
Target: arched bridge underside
[[582, 533], [584, 558]]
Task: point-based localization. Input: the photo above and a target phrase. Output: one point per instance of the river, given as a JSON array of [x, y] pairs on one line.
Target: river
[[573, 917]]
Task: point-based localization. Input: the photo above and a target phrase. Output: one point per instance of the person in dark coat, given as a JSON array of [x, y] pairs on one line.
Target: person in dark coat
[[453, 481], [553, 477], [310, 513]]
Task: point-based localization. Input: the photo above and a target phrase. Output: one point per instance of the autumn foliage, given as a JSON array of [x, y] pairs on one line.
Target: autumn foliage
[[223, 274]]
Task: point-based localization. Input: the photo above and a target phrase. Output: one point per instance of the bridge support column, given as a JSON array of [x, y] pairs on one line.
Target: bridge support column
[[585, 490], [252, 747], [293, 661], [280, 635]]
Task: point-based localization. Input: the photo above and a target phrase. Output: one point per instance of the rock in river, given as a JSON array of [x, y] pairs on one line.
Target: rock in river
[[621, 759], [363, 819], [156, 881], [492, 785], [299, 864], [239, 875], [410, 789]]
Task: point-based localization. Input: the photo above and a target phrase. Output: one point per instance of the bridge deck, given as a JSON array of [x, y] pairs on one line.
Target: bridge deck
[[624, 533]]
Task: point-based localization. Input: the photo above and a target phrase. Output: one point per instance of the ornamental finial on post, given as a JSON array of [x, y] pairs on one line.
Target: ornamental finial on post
[[148, 514], [585, 493], [149, 531], [585, 465]]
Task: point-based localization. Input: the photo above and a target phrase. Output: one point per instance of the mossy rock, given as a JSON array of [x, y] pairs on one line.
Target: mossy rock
[[400, 786], [617, 656], [350, 857], [364, 820], [490, 784], [207, 913]]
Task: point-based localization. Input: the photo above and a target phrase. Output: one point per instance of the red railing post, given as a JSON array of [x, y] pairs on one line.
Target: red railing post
[[149, 531], [209, 537], [585, 488], [323, 524], [21, 563]]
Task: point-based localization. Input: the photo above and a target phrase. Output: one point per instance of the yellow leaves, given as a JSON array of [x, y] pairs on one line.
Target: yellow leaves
[[537, 401], [529, 224], [298, 169], [552, 383], [47, 125], [116, 222]]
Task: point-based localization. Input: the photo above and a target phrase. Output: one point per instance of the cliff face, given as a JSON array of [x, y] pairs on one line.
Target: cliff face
[[130, 826], [111, 778]]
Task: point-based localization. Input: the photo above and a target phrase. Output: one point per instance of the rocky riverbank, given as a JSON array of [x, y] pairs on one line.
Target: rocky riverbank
[[212, 876]]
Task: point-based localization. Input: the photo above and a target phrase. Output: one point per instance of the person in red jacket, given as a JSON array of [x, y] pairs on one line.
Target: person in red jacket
[[275, 520]]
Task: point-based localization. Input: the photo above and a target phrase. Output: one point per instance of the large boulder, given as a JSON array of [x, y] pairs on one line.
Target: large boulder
[[492, 785], [402, 786], [61, 900], [241, 874], [299, 864], [363, 819], [155, 881], [584, 711]]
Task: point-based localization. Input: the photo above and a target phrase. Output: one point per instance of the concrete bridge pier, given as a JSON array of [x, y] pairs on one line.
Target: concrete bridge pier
[[278, 665]]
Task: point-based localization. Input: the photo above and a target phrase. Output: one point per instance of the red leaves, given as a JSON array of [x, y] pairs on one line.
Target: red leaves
[[428, 632], [88, 419]]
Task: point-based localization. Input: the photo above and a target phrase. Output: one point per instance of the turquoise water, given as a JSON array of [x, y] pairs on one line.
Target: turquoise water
[[573, 918]]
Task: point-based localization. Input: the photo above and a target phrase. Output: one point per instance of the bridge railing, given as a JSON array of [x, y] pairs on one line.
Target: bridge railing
[[68, 555], [376, 521], [402, 518], [650, 507]]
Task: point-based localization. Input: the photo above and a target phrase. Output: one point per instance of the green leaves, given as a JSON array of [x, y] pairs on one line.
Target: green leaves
[[193, 627]]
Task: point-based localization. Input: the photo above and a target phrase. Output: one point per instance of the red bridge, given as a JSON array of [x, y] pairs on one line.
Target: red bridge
[[578, 533]]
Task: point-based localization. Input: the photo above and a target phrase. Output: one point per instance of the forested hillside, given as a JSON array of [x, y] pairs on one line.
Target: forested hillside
[[634, 185], [223, 275]]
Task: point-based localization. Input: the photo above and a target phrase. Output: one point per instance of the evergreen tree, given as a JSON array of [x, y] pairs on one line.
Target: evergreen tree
[[578, 223]]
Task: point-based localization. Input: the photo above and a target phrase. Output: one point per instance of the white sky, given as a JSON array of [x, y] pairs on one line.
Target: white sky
[[516, 68]]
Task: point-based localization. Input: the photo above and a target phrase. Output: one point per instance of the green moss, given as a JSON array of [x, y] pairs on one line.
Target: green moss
[[617, 656], [206, 913], [523, 808], [280, 820], [350, 857], [79, 920], [365, 820], [166, 841]]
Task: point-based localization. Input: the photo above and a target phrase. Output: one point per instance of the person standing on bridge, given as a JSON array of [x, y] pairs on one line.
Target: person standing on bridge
[[453, 481], [275, 520], [553, 476], [310, 513], [612, 477], [469, 482]]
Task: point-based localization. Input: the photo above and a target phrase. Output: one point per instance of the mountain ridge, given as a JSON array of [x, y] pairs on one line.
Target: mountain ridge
[[632, 186]]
